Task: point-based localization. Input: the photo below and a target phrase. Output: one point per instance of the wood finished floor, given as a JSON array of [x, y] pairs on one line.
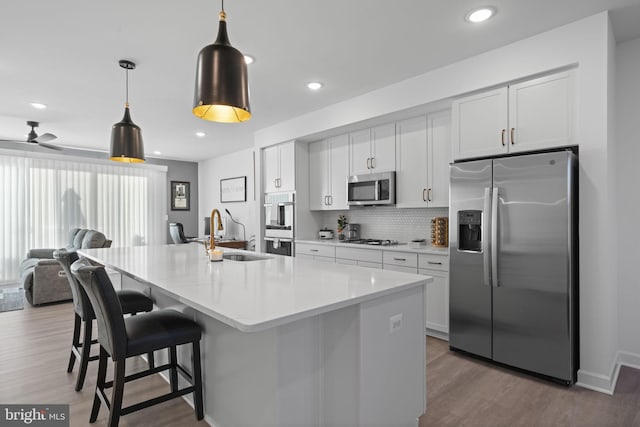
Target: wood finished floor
[[462, 392]]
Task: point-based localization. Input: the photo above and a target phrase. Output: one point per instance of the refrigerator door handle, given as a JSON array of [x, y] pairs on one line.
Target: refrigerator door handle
[[494, 238], [485, 232]]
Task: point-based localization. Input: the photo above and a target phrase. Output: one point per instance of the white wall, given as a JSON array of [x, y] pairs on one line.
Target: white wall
[[210, 172], [587, 44], [628, 193]]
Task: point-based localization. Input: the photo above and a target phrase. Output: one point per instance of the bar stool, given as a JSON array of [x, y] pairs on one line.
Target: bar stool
[[121, 338], [132, 302]]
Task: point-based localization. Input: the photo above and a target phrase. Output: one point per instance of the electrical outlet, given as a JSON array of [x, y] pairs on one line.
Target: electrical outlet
[[395, 323]]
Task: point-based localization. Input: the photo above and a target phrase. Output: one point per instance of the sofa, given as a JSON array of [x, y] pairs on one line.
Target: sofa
[[42, 277]]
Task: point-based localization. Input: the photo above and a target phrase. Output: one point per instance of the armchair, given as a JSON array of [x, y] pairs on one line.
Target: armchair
[[42, 276]]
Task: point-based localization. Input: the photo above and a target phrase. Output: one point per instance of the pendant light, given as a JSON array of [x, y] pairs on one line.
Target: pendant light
[[126, 136], [222, 85]]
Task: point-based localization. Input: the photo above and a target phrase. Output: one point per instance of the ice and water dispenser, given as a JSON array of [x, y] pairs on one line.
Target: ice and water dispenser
[[470, 231]]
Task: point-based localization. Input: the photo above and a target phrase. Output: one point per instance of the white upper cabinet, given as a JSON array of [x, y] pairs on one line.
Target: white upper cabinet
[[383, 148], [531, 115], [372, 150], [480, 124], [339, 166], [278, 164], [422, 161], [328, 171], [541, 113]]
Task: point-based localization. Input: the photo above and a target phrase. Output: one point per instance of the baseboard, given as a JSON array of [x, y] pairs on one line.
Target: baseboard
[[607, 384], [629, 359], [437, 334]]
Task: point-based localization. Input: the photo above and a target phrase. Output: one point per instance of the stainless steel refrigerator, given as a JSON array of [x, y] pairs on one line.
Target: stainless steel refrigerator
[[513, 254]]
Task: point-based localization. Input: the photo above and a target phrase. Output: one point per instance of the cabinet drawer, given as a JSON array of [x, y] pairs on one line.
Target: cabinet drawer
[[434, 262], [401, 268], [370, 264], [368, 255], [321, 250], [405, 259]]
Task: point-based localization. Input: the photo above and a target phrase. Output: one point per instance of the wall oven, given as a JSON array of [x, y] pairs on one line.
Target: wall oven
[[279, 223], [371, 189]]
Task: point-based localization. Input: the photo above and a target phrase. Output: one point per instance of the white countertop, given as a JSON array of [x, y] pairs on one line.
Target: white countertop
[[402, 247], [252, 295]]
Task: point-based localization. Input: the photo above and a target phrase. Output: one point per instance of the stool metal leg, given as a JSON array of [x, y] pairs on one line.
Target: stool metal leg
[[75, 343], [84, 356], [196, 379], [173, 373], [117, 393], [102, 374]]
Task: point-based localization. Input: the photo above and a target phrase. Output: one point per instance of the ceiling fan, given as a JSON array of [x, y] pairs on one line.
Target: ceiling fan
[[34, 138]]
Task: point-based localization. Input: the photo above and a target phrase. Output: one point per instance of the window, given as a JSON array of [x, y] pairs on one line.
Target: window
[[44, 198]]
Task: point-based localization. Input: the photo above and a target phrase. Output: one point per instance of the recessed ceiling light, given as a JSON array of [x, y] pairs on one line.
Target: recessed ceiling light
[[38, 105], [249, 59], [481, 14], [157, 153], [314, 85], [201, 134]]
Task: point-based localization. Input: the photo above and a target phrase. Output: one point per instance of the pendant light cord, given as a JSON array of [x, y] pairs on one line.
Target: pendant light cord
[[126, 104]]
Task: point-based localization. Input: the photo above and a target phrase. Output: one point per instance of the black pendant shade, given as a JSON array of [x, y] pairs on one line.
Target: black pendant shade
[[126, 136], [126, 141], [222, 84]]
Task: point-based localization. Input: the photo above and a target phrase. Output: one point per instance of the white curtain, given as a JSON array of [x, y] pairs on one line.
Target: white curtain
[[45, 197]]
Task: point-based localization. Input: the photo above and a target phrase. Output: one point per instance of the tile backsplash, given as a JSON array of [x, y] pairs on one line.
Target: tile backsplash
[[386, 222]]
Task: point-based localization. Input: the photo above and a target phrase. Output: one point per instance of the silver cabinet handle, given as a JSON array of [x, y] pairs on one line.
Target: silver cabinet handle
[[325, 200], [368, 162], [429, 195], [313, 250], [494, 238], [330, 200], [373, 163], [434, 263], [502, 136], [424, 197], [513, 139], [399, 259]]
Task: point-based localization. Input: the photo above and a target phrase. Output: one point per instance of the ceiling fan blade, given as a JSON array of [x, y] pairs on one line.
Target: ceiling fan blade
[[45, 137], [45, 145]]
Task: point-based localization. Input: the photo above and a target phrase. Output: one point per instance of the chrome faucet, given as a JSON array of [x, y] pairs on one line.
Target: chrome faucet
[[212, 240]]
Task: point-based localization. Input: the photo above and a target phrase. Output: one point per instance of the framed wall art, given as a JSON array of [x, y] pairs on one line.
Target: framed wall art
[[180, 196], [233, 189]]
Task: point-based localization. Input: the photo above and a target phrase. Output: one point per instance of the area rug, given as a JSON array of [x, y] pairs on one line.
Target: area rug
[[11, 299]]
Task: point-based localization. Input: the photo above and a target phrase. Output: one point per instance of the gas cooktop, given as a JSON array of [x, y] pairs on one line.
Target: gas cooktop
[[374, 242]]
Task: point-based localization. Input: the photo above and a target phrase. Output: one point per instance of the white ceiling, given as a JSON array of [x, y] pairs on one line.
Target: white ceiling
[[65, 54]]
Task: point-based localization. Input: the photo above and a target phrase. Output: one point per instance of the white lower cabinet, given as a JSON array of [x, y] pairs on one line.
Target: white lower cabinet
[[401, 259], [437, 303], [316, 258], [310, 250], [400, 268], [363, 257], [437, 294]]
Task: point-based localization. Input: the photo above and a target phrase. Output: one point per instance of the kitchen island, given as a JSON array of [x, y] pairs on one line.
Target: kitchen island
[[291, 342]]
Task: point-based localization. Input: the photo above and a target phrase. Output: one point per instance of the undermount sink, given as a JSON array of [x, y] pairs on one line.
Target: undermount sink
[[242, 257]]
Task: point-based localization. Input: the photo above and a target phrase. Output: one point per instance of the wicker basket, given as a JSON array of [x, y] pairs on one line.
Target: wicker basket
[[440, 232]]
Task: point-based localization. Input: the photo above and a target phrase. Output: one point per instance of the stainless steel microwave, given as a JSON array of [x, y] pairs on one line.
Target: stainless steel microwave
[[371, 189]]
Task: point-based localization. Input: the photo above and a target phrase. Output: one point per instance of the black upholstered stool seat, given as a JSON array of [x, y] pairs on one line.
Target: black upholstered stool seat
[[121, 338], [159, 329], [134, 301], [131, 301]]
